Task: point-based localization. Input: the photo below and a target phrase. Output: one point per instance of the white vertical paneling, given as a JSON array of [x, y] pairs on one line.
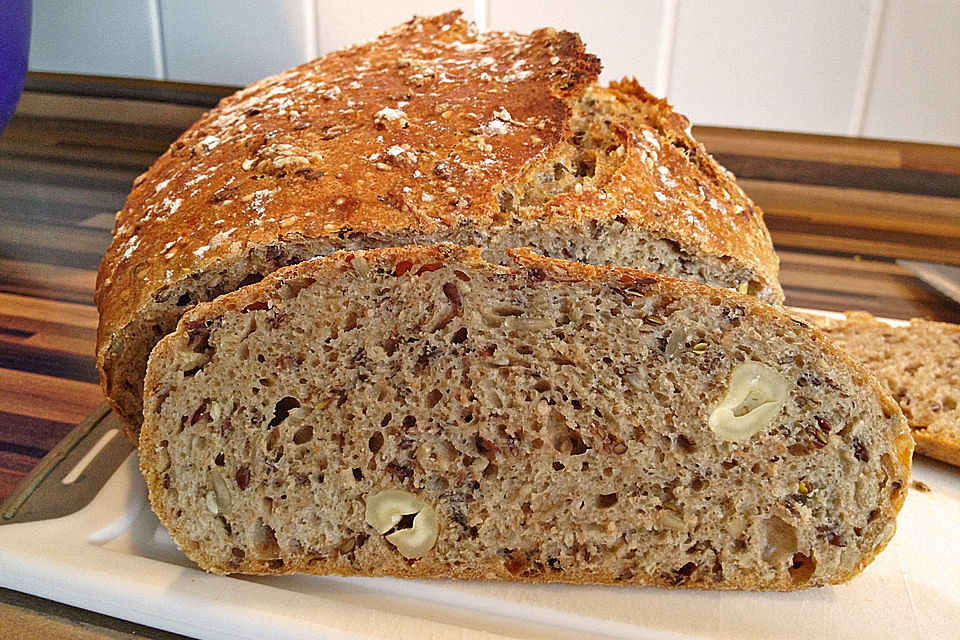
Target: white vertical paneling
[[915, 92], [668, 33], [156, 33], [310, 28], [341, 23], [480, 14], [769, 65], [104, 37], [233, 41], [868, 61], [624, 33]]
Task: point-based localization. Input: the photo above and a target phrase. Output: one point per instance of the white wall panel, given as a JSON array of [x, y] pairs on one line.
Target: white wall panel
[[103, 37], [769, 65], [235, 41], [342, 23], [624, 33], [880, 68], [915, 90]]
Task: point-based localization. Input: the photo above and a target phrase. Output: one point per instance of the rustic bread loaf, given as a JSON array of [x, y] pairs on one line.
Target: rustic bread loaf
[[919, 364], [418, 411], [431, 133]]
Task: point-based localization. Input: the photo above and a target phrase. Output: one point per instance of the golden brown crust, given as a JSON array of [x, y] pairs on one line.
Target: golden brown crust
[[937, 448], [310, 151], [708, 208], [554, 270], [415, 133]]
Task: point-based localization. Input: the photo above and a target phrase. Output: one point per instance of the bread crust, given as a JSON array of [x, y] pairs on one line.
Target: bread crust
[[555, 271], [408, 139]]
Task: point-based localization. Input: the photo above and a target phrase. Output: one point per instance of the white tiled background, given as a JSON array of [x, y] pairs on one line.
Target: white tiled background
[[878, 68]]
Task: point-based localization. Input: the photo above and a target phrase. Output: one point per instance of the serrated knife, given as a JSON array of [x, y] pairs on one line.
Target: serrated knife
[[944, 278]]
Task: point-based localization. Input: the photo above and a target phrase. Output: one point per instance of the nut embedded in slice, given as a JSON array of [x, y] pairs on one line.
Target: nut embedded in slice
[[386, 508], [754, 398], [385, 511], [418, 539]]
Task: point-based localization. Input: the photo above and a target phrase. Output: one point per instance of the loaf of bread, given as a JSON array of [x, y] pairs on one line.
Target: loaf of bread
[[431, 133], [919, 365], [420, 412]]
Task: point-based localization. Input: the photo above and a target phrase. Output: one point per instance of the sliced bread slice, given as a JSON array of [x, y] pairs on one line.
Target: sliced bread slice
[[919, 364], [418, 411]]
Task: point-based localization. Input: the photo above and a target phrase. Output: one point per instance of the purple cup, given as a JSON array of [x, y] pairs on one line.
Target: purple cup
[[14, 48]]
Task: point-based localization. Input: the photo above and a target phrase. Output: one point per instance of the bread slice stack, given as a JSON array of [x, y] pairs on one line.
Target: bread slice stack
[[361, 314], [432, 133], [421, 412]]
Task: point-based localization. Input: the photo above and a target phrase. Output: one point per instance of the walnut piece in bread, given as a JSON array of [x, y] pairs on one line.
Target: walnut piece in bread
[[552, 416], [431, 133]]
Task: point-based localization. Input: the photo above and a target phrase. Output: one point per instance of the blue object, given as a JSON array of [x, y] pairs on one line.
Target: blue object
[[14, 48]]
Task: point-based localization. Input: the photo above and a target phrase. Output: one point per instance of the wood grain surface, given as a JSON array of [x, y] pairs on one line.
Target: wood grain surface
[[840, 211]]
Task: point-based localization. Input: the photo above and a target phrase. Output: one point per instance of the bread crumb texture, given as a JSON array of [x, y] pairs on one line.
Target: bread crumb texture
[[421, 412], [431, 133], [919, 365]]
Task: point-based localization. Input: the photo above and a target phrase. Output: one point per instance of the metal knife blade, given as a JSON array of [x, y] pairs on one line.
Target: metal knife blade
[[944, 278]]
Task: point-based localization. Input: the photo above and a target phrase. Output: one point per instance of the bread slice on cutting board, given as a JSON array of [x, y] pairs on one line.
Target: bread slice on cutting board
[[420, 412], [919, 364]]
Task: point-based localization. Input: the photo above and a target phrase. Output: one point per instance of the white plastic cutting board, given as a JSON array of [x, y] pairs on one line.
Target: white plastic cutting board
[[114, 557]]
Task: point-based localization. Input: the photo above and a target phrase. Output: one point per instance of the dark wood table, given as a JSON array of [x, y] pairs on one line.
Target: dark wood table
[[841, 210]]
